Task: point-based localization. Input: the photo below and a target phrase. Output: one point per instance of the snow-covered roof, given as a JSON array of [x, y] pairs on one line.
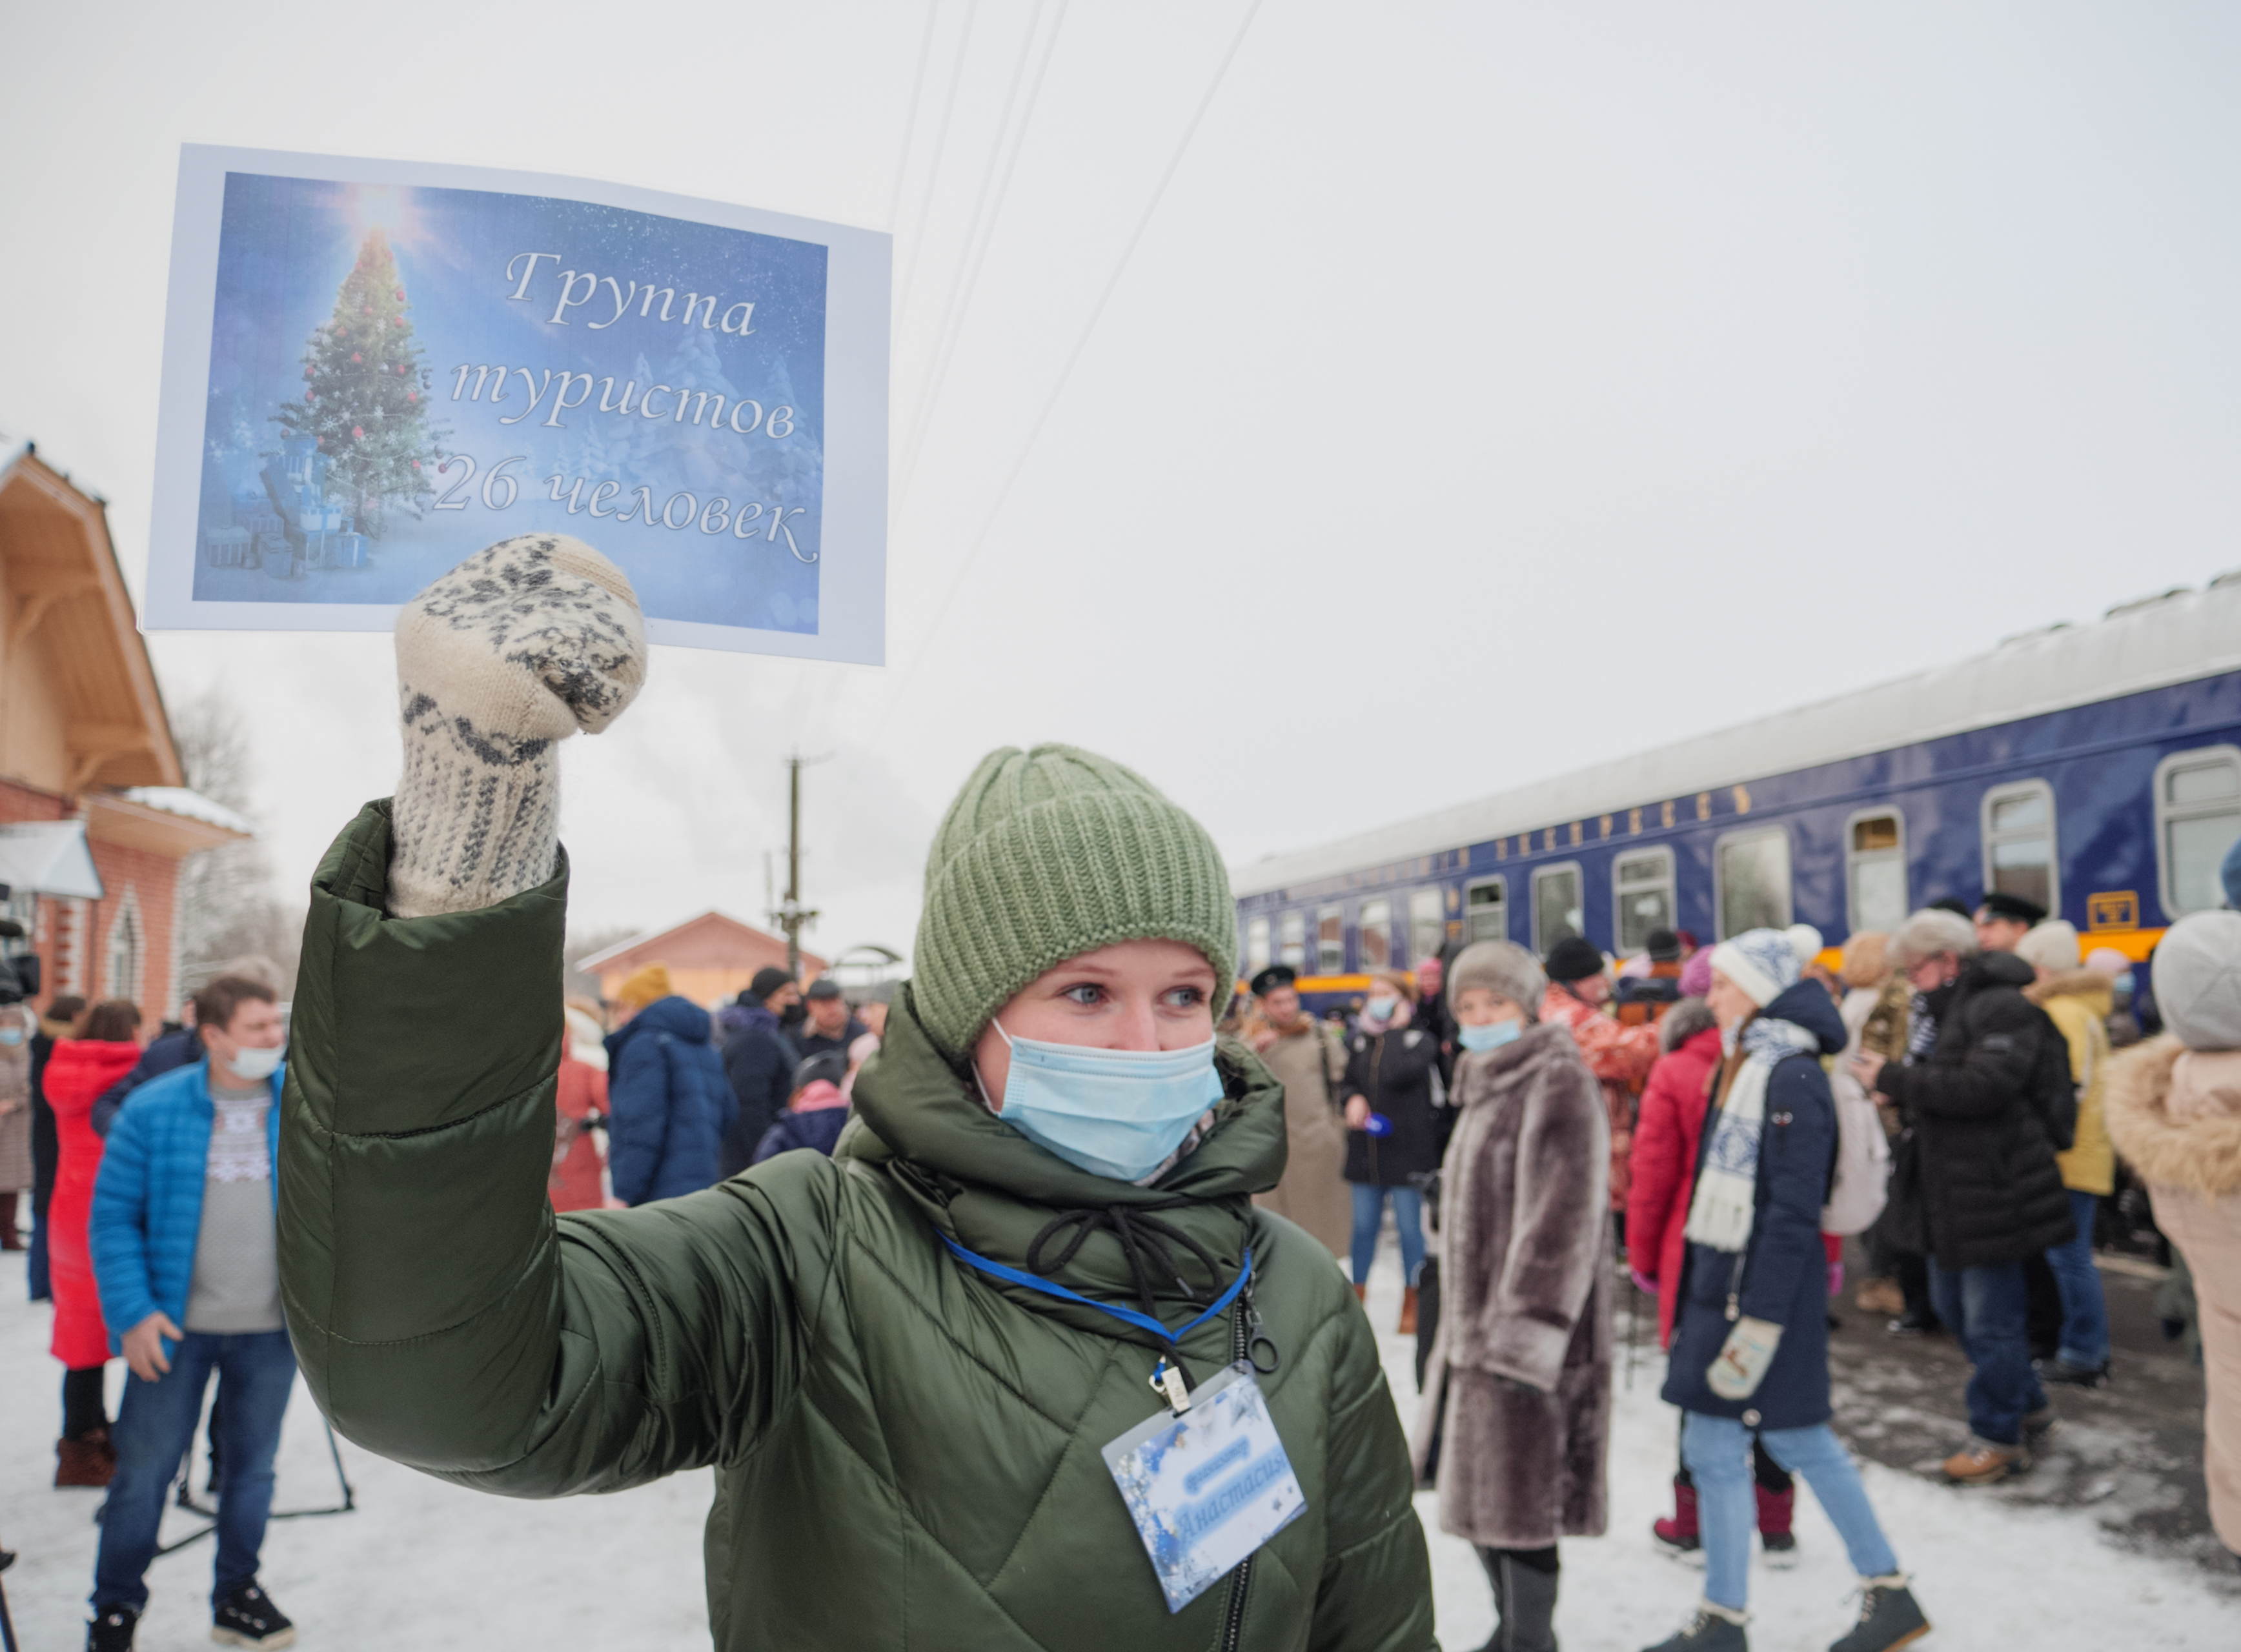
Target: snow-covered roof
[[2174, 637], [48, 858], [189, 805]]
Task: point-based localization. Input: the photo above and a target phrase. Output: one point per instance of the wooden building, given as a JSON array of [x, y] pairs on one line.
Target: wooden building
[[95, 818], [710, 958]]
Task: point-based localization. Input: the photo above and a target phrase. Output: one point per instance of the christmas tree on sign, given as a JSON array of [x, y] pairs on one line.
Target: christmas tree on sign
[[364, 401]]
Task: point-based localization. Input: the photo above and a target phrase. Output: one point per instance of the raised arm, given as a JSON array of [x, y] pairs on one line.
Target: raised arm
[[442, 1315]]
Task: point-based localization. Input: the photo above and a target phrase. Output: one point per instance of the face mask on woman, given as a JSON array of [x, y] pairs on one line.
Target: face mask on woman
[[1117, 1113], [1380, 1008], [13, 1034], [253, 1066], [1492, 1036]]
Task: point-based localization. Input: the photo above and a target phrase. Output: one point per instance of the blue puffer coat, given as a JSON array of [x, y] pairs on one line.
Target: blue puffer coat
[[1781, 1276], [668, 1103], [148, 1202]]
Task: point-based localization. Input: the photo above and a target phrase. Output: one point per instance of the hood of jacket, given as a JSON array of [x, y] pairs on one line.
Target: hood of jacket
[[1808, 1005], [2089, 985], [79, 1069], [1686, 1018], [678, 1017], [2175, 1114]]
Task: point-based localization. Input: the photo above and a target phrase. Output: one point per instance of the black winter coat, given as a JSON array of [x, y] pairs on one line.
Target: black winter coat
[[1974, 1182], [1399, 1072], [759, 1061], [1783, 1275]]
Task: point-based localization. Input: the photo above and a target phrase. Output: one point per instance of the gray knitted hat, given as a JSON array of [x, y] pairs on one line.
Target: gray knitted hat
[[2197, 980], [1048, 855], [1503, 967]]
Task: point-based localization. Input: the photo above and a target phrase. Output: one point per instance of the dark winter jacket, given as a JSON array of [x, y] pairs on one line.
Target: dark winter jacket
[[1974, 1179], [167, 1052], [1514, 1422], [810, 1042], [1782, 1275], [906, 1449], [758, 1062], [668, 1105], [1398, 1071], [46, 1142], [817, 1128]]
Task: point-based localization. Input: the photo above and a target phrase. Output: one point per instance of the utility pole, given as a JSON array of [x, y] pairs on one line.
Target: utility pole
[[791, 916]]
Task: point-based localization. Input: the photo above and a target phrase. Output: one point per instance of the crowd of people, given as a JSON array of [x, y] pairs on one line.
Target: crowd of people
[[1042, 1197]]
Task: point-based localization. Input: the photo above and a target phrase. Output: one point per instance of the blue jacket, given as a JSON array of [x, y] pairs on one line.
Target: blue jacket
[[1782, 1276], [148, 1199], [669, 1105], [759, 1060]]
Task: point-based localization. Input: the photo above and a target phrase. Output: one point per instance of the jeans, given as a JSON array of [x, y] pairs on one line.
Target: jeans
[[1985, 1308], [1369, 1215], [2084, 1314], [155, 1426], [1717, 1452]]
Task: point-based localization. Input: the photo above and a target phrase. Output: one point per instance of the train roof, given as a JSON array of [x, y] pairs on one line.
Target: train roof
[[2174, 637]]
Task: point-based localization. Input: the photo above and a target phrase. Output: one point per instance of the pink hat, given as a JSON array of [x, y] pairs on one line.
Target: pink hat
[[1696, 973]]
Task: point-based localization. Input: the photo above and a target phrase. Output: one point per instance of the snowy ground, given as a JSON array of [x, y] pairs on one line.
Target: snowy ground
[[426, 1567]]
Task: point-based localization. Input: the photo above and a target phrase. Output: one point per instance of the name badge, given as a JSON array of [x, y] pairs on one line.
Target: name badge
[[1207, 1487]]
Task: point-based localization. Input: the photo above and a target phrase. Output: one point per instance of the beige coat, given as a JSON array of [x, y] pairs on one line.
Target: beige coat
[[1514, 1422], [2175, 1117], [1313, 1191], [2079, 1001]]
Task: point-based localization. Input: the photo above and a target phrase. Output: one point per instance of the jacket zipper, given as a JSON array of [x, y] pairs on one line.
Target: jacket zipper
[[1233, 1631]]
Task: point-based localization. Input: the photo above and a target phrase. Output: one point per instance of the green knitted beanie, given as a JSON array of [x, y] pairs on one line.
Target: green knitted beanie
[[1048, 854]]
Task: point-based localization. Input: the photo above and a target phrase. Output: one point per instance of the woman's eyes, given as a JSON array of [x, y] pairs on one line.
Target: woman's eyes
[[1090, 995], [1087, 994], [1187, 997]]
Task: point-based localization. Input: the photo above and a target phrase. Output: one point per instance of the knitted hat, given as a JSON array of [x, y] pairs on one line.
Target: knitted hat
[[1573, 958], [1696, 973], [1503, 967], [1764, 963], [641, 986], [2197, 980], [2050, 946], [1663, 946], [1045, 855], [767, 981]]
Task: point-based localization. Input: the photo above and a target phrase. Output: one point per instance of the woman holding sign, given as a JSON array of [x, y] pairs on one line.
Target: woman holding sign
[[911, 1364]]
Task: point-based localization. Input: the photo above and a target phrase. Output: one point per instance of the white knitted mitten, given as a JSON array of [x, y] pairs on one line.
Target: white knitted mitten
[[517, 648]]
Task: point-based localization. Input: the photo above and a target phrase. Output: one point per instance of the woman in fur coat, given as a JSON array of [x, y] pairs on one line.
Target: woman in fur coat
[[2174, 1113], [1516, 1418]]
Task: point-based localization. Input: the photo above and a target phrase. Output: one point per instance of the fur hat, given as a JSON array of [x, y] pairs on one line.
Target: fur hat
[[1504, 968], [1763, 963], [2197, 980], [1573, 958], [2051, 946], [641, 986]]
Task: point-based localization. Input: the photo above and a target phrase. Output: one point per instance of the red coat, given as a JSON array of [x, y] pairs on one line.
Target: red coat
[[1619, 1058], [1664, 1165], [77, 1073], [575, 1181]]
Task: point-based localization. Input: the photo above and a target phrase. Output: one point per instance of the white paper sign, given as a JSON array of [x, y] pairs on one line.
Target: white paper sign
[[372, 369]]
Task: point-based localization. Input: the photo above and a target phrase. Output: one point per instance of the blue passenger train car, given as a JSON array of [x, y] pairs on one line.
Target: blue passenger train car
[[2096, 769]]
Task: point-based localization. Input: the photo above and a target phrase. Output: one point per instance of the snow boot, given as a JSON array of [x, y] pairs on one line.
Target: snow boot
[[1408, 1325], [1524, 1604], [1880, 1296], [247, 1617], [88, 1459], [1889, 1617], [111, 1629], [1714, 1629], [1985, 1462], [2075, 1376], [1678, 1535], [1775, 1508], [2039, 1424]]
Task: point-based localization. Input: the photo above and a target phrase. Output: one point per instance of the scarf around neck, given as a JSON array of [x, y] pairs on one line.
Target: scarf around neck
[[1725, 1202]]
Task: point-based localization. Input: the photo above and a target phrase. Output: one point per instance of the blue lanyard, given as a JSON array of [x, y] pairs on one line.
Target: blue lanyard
[[1127, 1315]]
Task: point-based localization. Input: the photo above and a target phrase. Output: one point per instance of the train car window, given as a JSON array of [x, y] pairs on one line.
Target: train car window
[[1292, 940], [1875, 872], [1486, 909], [1750, 874], [2019, 843], [1375, 920], [1557, 908], [2197, 818], [1642, 897], [1330, 940], [1427, 924], [1256, 947]]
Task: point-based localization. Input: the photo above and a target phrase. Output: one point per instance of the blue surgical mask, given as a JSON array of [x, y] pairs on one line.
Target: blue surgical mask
[[2122, 983], [1117, 1113], [11, 1035], [1492, 1036], [1381, 1009], [253, 1066]]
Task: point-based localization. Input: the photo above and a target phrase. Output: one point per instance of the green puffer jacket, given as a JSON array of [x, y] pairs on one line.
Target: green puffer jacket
[[907, 1450]]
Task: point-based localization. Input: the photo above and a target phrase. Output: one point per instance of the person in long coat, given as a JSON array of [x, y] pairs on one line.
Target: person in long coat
[[1308, 1059], [1394, 1088], [2174, 1113], [1750, 1346], [1515, 1424], [17, 1174]]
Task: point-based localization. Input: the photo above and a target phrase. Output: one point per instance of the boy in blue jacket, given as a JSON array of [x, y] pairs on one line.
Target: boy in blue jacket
[[184, 1248]]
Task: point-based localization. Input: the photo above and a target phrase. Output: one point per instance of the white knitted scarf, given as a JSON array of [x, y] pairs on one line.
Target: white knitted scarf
[[1726, 1200]]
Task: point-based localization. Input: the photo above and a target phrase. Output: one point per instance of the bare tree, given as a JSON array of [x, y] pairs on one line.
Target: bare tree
[[229, 902]]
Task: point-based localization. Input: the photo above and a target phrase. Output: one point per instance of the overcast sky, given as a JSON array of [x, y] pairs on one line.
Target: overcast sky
[[1495, 389]]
